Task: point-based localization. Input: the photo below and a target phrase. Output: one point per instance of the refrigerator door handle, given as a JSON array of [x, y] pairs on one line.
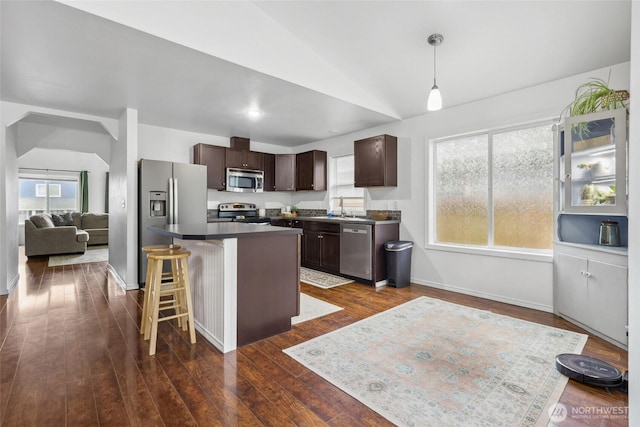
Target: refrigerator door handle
[[176, 203], [171, 201]]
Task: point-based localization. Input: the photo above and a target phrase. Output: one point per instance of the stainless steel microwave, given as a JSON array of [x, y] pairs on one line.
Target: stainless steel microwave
[[245, 180]]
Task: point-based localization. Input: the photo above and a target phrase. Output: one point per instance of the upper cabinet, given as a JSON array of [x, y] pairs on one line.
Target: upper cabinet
[[279, 172], [593, 165], [213, 157], [285, 176], [311, 170], [244, 159], [376, 161], [269, 172]]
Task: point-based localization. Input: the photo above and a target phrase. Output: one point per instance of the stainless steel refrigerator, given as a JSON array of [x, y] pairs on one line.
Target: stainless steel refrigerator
[[168, 193]]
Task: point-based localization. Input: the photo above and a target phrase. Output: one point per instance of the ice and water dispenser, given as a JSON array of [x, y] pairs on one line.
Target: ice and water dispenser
[[158, 202]]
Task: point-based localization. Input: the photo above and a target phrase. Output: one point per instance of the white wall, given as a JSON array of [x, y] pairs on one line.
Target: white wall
[[8, 205], [123, 207], [634, 222], [523, 282], [64, 133]]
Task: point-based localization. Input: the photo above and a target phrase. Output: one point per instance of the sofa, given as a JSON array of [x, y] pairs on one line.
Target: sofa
[[52, 234]]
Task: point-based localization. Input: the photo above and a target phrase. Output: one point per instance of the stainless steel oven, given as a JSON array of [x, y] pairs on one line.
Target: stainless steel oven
[[242, 212], [245, 180]]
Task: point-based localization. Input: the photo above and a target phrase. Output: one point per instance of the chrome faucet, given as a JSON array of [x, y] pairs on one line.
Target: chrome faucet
[[341, 207]]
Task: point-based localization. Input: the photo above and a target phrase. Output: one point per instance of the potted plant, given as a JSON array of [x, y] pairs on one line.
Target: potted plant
[[294, 211], [595, 95]]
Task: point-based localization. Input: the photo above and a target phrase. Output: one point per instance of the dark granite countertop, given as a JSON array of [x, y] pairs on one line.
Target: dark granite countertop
[[220, 230], [338, 219]]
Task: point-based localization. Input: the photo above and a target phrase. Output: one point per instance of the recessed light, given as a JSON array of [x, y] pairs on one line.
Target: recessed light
[[254, 114]]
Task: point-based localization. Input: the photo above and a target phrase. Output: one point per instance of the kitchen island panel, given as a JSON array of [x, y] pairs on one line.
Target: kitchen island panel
[[268, 269], [213, 275]]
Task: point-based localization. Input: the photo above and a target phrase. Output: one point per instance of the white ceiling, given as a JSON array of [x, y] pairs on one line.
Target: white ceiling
[[316, 68]]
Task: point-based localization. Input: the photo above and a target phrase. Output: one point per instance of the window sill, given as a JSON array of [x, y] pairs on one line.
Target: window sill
[[531, 255]]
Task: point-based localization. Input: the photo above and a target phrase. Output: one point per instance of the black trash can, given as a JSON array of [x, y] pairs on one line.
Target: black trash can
[[398, 262]]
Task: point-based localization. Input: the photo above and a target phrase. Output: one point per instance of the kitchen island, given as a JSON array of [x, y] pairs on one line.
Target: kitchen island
[[245, 279]]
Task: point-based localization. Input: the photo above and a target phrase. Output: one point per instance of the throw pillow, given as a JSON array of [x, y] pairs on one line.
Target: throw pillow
[[42, 221], [68, 219], [57, 220], [64, 219]]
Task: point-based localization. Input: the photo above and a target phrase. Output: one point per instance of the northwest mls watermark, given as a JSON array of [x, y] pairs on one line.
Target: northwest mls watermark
[[560, 412]]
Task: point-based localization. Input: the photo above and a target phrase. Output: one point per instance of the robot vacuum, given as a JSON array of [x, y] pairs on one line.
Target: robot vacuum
[[590, 371]]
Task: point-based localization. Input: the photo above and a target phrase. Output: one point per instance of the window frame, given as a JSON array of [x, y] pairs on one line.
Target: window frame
[[331, 194], [532, 254]]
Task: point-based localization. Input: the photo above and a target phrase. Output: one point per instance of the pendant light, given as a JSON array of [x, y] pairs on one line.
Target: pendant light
[[434, 101]]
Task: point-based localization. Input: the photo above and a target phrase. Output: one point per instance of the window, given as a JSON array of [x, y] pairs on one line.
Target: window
[[495, 189], [343, 196], [38, 195]]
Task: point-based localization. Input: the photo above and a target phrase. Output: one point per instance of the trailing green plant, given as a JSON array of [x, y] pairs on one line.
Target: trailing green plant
[[591, 96], [595, 95]]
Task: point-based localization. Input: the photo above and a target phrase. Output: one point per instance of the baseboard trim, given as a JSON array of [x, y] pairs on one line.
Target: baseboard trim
[[122, 283], [485, 295], [12, 285]]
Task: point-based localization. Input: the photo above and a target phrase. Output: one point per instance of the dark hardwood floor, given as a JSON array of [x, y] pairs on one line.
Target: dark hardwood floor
[[71, 354]]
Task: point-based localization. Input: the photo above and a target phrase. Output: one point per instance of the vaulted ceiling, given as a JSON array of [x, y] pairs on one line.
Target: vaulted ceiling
[[315, 68]]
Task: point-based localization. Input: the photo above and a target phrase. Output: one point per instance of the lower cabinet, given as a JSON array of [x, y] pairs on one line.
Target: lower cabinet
[[591, 290], [321, 246]]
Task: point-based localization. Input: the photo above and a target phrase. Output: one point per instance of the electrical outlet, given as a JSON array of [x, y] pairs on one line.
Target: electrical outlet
[[395, 205]]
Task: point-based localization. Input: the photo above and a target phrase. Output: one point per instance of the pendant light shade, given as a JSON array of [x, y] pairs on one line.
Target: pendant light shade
[[434, 102]]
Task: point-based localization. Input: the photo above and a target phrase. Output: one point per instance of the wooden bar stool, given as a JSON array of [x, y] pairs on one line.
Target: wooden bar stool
[[180, 288], [166, 276]]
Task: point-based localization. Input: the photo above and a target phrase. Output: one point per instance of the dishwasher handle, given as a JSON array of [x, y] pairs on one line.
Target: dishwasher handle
[[355, 230]]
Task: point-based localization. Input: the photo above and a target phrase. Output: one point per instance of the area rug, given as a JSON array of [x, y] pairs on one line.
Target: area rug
[[432, 363], [312, 308], [320, 279], [92, 254]]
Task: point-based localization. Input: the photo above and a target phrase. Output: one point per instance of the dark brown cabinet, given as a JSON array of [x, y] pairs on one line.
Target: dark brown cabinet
[[376, 161], [311, 170], [244, 159], [321, 246], [269, 172], [214, 158], [284, 175]]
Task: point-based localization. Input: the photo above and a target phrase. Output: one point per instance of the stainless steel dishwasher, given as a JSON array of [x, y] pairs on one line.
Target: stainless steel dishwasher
[[355, 250]]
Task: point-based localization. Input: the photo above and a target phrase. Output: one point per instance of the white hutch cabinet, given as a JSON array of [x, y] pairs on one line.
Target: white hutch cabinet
[[590, 279]]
